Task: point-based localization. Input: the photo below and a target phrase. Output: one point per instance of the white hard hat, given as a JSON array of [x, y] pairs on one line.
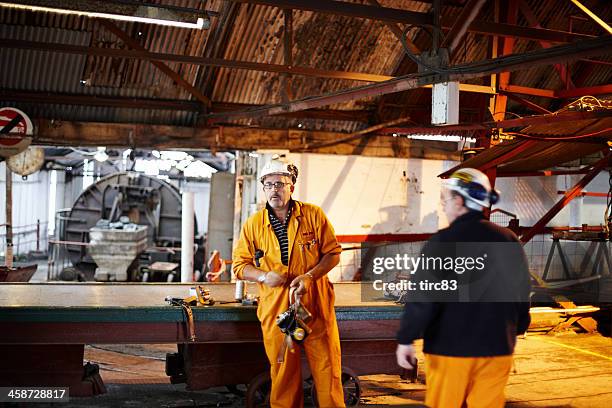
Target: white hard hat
[[278, 166], [474, 186]]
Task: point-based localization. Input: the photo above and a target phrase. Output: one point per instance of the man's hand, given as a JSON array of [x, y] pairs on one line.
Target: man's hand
[[406, 356], [274, 279], [302, 284]]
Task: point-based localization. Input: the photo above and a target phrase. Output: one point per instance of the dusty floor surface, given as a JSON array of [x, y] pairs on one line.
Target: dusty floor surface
[[550, 371]]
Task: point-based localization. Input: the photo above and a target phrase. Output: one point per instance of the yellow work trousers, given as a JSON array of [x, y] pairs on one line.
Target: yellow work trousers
[[472, 382], [323, 355]]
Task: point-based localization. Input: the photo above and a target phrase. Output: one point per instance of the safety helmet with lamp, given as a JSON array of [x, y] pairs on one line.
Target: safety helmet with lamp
[[278, 166], [474, 186]]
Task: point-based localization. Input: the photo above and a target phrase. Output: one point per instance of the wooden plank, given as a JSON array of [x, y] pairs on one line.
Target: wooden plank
[[231, 138], [72, 296]]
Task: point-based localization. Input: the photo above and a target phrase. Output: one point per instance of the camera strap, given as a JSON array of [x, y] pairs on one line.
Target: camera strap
[[185, 304], [287, 344]]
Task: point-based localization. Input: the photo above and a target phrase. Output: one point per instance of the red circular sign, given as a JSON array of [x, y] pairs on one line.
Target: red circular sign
[[15, 131], [18, 122]]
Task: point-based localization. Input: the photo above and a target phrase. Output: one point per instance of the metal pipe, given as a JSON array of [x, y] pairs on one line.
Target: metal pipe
[[37, 235], [187, 238], [8, 255], [594, 16]]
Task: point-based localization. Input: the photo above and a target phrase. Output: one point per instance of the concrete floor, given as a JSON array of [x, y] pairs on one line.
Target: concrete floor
[[570, 370]]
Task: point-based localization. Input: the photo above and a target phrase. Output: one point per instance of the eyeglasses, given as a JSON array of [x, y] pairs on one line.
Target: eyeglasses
[[277, 186]]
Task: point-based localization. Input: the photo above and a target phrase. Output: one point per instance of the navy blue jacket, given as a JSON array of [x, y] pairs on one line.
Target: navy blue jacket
[[475, 328]]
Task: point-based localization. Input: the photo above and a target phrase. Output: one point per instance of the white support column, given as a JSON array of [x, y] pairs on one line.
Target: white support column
[[187, 238]]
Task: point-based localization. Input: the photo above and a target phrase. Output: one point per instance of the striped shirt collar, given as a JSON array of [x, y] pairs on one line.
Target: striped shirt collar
[[272, 216], [280, 230], [296, 212]]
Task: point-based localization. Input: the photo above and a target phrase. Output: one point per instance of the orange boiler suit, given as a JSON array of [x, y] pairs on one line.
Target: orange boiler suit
[[311, 236]]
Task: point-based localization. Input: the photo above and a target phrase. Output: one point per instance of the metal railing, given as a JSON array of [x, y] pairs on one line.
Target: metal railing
[[59, 258], [26, 238]]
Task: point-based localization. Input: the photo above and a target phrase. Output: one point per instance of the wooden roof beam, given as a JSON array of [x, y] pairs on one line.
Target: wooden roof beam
[[52, 133], [363, 116]]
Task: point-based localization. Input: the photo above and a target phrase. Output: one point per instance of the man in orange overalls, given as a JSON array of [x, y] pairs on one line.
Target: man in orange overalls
[[299, 249], [468, 341]]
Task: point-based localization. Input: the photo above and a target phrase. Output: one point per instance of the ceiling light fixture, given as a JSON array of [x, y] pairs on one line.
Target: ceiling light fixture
[[125, 11]]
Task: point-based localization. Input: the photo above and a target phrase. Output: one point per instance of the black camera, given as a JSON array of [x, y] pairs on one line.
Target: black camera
[[293, 321]]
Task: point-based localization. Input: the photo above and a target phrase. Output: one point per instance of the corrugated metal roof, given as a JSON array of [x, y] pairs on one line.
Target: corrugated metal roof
[[540, 155], [320, 40], [42, 70], [549, 154], [577, 127], [255, 33], [562, 16], [100, 76]]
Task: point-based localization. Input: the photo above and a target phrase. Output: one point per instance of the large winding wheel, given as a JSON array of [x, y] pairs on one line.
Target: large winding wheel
[[144, 199]]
